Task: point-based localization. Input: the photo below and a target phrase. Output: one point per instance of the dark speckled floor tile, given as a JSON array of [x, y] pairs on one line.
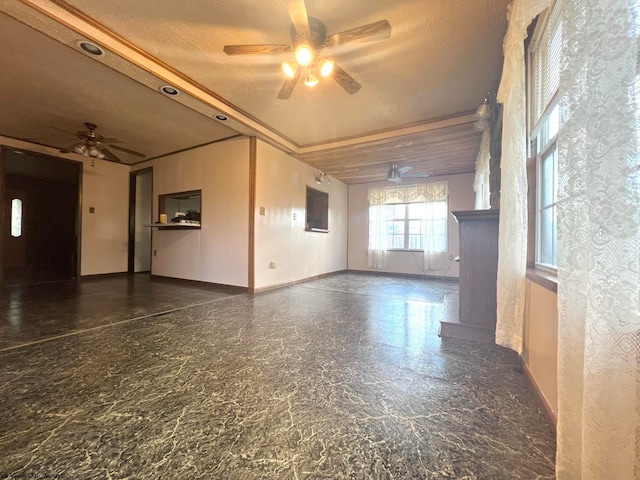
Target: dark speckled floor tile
[[326, 379]]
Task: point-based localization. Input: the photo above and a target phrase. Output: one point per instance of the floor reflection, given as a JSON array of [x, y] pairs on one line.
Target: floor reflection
[[342, 377]]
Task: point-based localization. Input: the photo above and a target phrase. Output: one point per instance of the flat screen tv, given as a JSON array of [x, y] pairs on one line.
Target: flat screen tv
[[317, 211]]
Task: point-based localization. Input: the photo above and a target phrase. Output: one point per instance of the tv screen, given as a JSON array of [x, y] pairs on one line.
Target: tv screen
[[317, 210]]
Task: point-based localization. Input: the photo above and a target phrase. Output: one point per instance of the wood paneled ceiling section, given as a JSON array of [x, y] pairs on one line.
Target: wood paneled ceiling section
[[440, 61]]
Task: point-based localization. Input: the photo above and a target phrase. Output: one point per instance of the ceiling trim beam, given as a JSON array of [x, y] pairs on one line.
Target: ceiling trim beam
[[69, 16], [388, 134]]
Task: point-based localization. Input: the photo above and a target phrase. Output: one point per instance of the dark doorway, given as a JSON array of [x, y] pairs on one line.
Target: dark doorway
[[40, 203], [140, 213]]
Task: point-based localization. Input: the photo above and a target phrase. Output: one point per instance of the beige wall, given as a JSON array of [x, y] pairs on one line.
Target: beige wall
[[541, 341], [218, 252], [280, 234], [461, 197], [105, 233]]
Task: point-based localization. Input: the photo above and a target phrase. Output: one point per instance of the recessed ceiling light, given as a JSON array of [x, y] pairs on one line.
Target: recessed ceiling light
[[169, 90], [221, 117], [90, 48]]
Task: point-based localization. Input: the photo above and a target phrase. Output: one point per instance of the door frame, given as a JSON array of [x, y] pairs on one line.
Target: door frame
[[79, 166], [133, 179]]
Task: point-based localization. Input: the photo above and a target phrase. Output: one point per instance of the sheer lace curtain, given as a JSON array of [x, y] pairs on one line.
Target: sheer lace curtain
[[481, 181], [380, 196], [512, 242], [599, 242]]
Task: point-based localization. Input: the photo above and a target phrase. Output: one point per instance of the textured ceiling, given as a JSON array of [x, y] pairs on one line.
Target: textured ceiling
[[418, 87]]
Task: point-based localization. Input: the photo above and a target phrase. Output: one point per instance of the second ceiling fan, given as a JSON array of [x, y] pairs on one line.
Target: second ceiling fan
[[309, 38], [396, 174]]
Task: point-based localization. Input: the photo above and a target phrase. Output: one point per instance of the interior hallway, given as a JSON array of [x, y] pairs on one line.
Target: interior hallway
[[341, 377]]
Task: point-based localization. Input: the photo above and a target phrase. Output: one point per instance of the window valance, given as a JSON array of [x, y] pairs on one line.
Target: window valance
[[424, 192]]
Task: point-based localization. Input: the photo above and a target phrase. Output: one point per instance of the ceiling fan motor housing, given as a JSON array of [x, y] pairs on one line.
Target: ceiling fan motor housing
[[317, 36]]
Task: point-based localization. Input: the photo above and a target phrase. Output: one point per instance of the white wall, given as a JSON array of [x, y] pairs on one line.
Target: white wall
[[218, 253], [105, 233], [280, 234], [461, 197]]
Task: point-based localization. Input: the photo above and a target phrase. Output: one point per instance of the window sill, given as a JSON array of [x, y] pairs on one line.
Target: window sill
[[543, 278], [404, 250]]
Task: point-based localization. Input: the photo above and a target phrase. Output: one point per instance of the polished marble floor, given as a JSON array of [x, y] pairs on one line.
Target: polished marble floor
[[338, 378]]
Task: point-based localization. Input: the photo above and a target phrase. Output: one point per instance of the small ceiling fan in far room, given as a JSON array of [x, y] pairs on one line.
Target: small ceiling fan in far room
[[93, 145], [396, 174], [309, 38]]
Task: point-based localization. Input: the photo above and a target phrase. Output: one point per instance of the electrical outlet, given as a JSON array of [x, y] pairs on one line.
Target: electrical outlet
[[272, 265], [263, 211]]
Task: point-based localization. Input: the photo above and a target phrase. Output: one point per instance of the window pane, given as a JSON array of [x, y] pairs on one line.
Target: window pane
[[439, 227], [398, 210], [415, 227], [440, 210], [396, 241], [396, 227], [416, 210], [415, 242], [16, 217], [547, 242], [547, 180]]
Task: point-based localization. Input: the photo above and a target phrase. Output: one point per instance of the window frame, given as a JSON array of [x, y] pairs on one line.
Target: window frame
[[542, 142], [406, 220], [423, 224]]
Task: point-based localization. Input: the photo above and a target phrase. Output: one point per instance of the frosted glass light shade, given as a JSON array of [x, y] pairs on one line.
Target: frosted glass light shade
[[304, 55], [288, 70], [483, 111]]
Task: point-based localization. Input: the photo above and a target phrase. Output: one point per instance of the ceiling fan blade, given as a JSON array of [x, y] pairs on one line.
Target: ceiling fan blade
[[70, 148], [415, 175], [405, 169], [126, 150], [373, 31], [345, 80], [62, 130], [289, 84], [298, 13], [108, 155], [255, 49]]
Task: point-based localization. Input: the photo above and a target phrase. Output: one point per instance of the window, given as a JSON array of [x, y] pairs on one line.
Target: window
[[16, 217], [547, 181], [544, 121], [408, 223], [409, 218]]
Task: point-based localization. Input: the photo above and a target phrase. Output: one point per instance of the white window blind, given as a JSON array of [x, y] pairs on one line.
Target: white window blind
[[546, 65]]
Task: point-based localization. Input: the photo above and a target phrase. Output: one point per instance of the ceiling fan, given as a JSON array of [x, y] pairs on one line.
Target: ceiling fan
[[308, 38], [396, 174], [94, 145]]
